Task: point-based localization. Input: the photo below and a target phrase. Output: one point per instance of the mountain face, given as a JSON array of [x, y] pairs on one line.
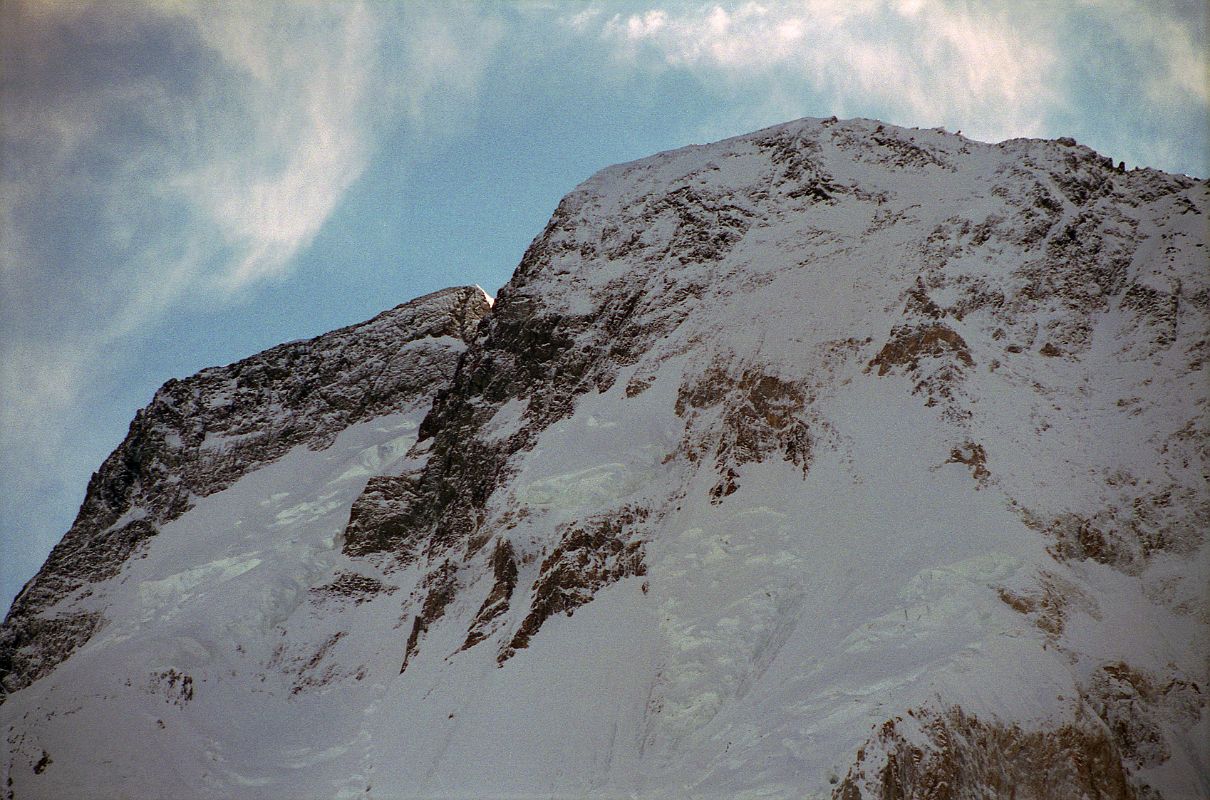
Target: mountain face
[[836, 460], [201, 435]]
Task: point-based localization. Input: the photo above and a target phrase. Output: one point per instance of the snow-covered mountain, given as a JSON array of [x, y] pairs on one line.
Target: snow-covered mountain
[[835, 460]]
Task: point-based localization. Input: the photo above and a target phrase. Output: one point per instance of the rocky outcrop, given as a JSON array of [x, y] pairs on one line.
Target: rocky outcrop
[[1136, 707], [1129, 533], [441, 586], [758, 415], [504, 575], [589, 556], [952, 755]]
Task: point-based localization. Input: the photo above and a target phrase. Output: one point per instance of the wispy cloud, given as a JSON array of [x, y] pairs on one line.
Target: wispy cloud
[[153, 155], [438, 71], [993, 70], [310, 139], [1169, 38], [159, 155], [921, 61]]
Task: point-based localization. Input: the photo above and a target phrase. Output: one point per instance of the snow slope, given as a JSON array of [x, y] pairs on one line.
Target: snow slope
[[834, 460]]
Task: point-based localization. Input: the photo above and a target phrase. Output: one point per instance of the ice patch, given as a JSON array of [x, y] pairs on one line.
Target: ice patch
[[595, 487], [946, 610], [377, 458], [165, 597]]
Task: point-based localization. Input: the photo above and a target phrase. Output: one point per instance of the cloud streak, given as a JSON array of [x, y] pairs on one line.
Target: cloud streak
[[156, 156], [202, 170], [312, 137], [920, 60], [993, 70], [150, 160]]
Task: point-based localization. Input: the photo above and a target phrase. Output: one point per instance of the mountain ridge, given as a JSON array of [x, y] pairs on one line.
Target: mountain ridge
[[835, 459], [128, 497]]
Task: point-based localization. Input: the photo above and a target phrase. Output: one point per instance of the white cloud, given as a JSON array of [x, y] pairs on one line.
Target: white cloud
[[1128, 75], [924, 61], [203, 175], [249, 143], [310, 92], [1181, 71], [328, 81], [438, 63]]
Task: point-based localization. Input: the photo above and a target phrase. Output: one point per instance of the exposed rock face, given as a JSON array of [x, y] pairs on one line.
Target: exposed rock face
[[837, 459], [201, 434], [760, 415], [504, 570], [960, 756], [588, 558]]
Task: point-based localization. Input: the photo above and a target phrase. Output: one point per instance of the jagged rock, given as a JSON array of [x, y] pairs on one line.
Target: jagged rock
[[962, 756], [441, 586], [504, 571], [589, 557]]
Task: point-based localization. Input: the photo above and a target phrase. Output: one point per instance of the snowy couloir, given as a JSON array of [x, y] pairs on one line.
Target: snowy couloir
[[837, 460]]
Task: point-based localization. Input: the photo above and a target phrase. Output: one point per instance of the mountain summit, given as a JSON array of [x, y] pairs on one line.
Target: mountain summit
[[835, 460]]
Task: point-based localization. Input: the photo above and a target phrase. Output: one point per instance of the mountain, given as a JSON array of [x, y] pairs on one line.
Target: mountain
[[836, 460], [201, 435]]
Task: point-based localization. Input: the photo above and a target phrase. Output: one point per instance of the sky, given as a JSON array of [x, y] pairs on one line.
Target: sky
[[183, 184]]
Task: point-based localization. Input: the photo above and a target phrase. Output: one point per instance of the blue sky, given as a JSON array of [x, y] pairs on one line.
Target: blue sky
[[183, 184]]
